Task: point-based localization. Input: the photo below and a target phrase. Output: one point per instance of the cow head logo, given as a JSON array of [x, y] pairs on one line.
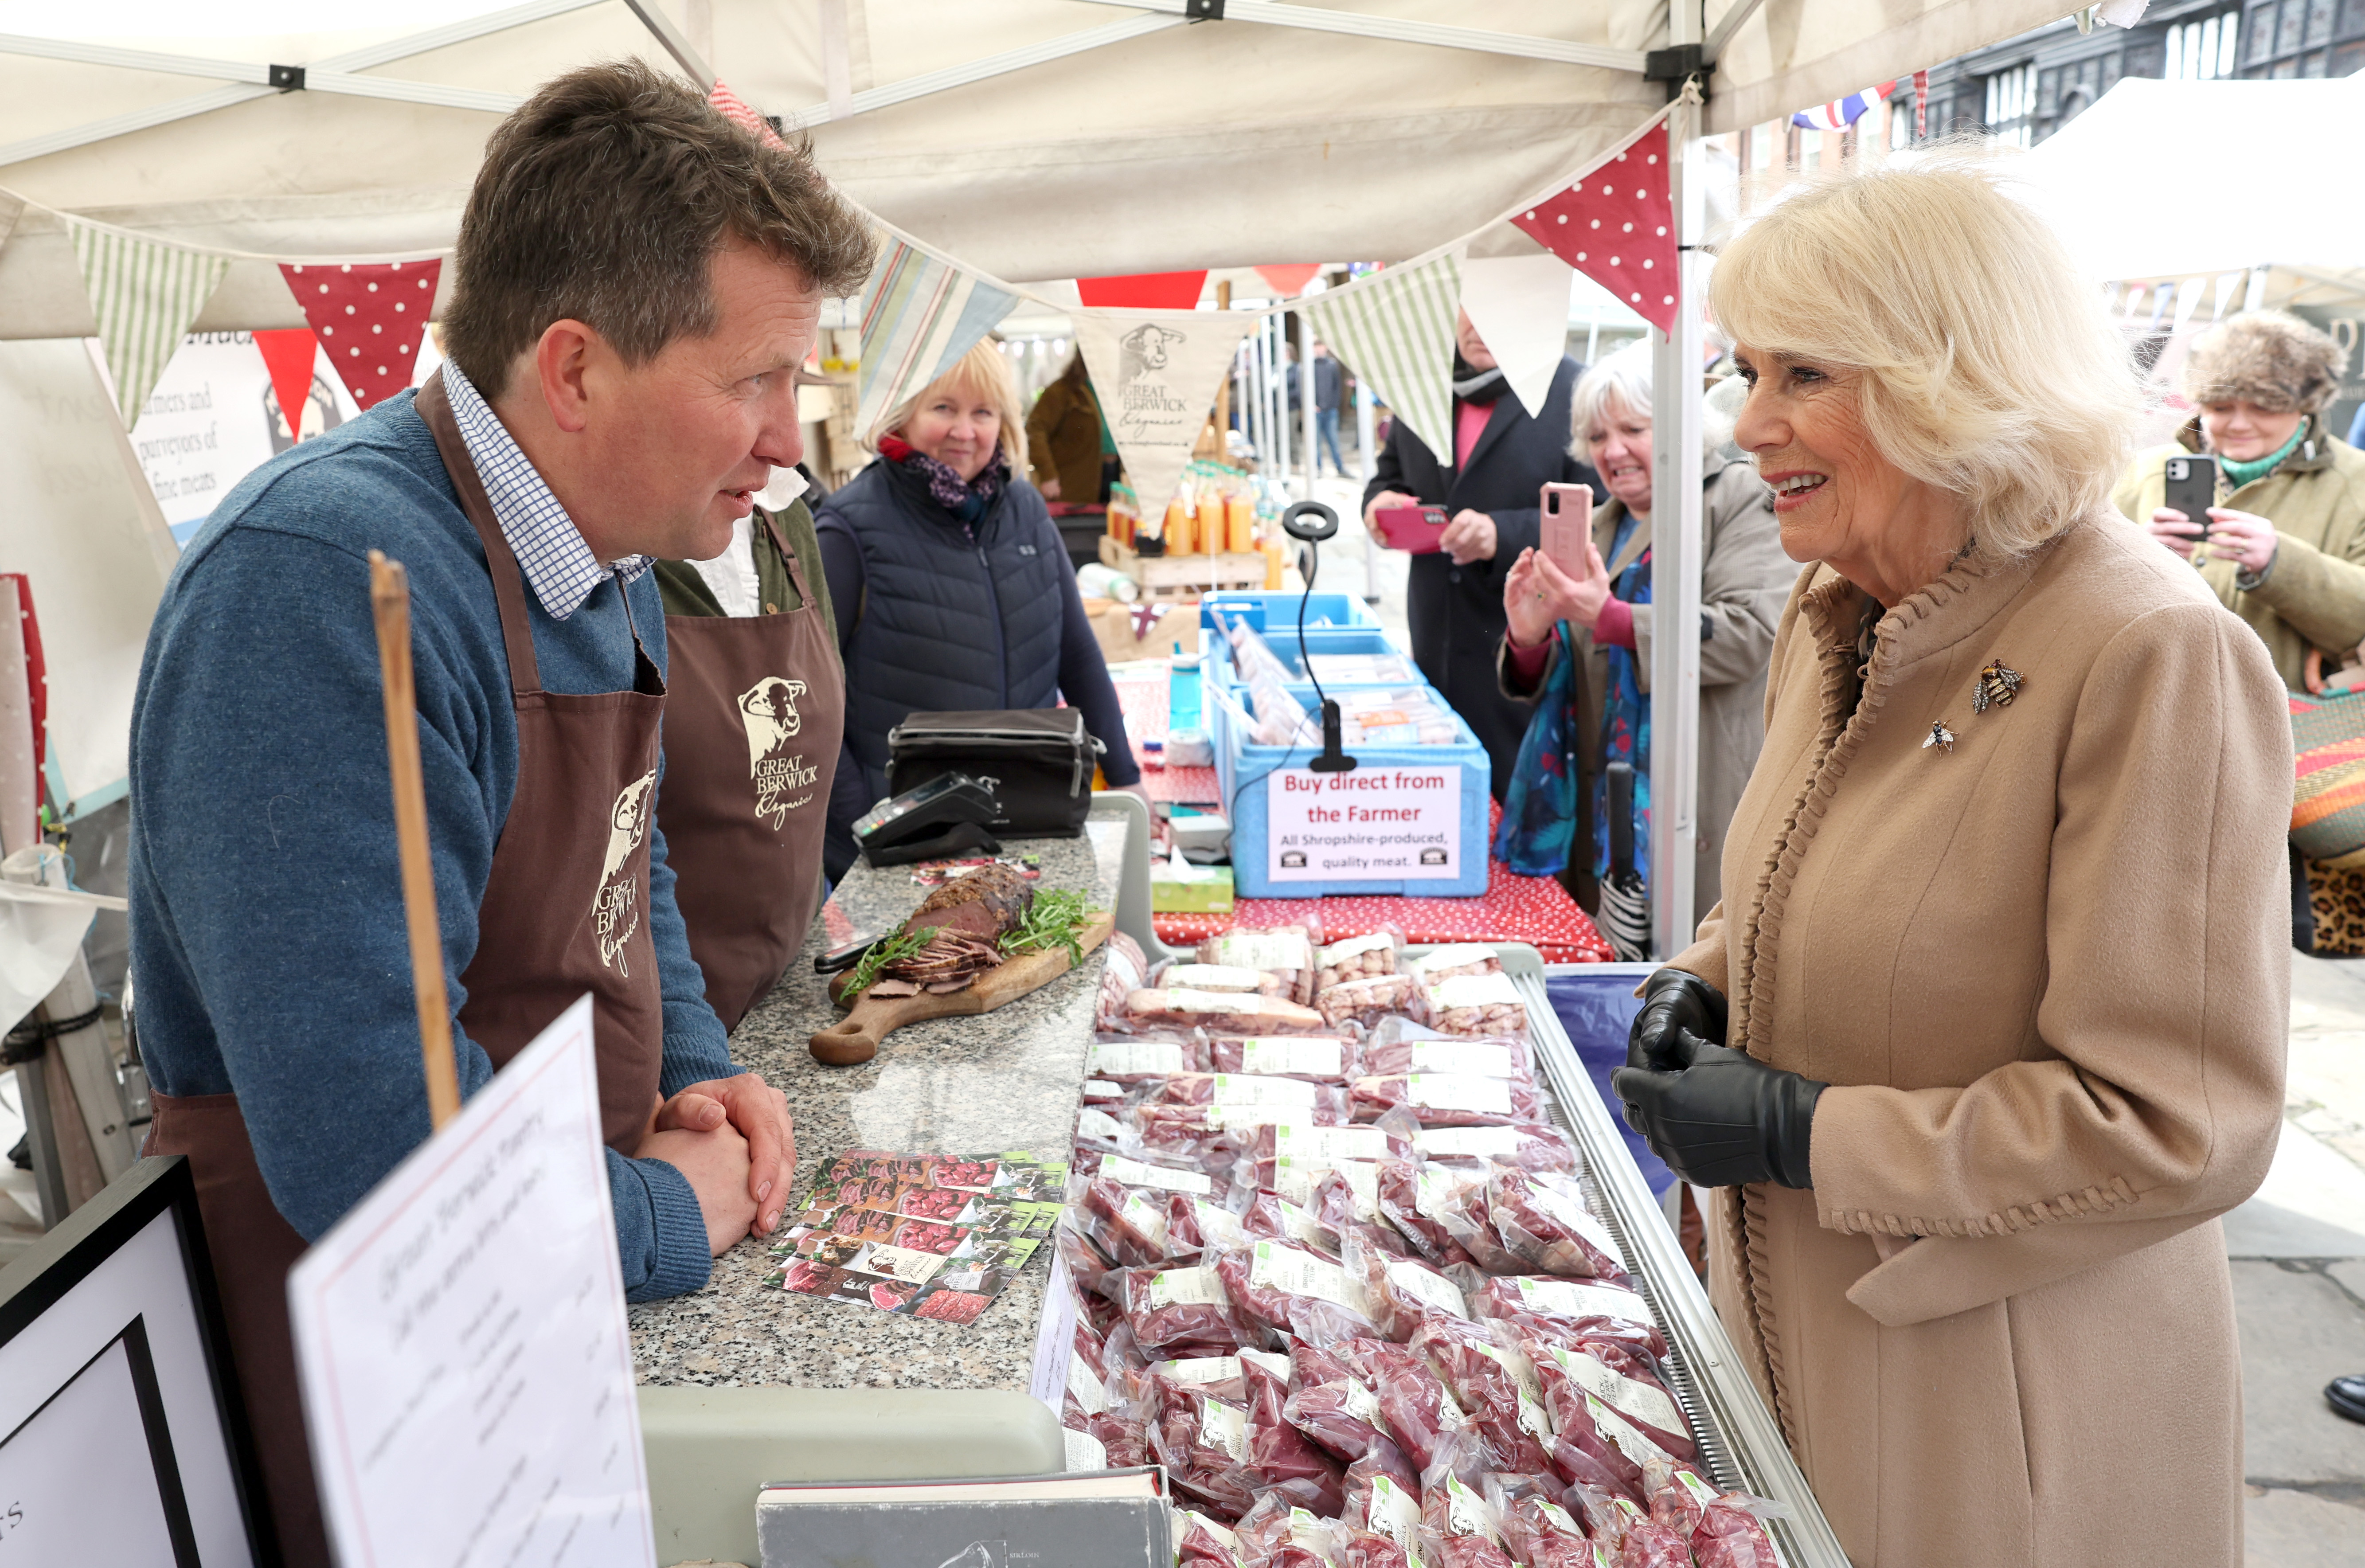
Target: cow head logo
[[768, 710], [616, 907], [1143, 352]]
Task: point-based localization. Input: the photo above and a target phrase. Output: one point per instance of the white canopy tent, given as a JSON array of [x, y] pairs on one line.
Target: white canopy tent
[[1032, 139]]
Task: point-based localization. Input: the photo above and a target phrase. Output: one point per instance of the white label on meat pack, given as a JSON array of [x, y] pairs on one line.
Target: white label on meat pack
[[1649, 1405], [1244, 1089], [1394, 1512], [1467, 1059], [1558, 1517], [1086, 1386], [1223, 1536], [1267, 950], [1468, 1143], [1219, 1225], [1473, 991], [1455, 954], [1302, 1227], [1146, 1215], [1200, 1368], [1362, 1403], [1186, 1287], [1097, 1124], [1283, 1268], [1450, 1418], [1454, 1091], [1315, 1056], [1433, 1190], [1575, 1216], [1296, 1181], [1136, 1059], [1222, 1003], [1566, 1298], [1622, 1435], [1310, 1145], [1133, 1174], [1224, 1426], [1339, 952], [1220, 1118], [1212, 977], [1522, 1371], [1102, 1088], [1085, 1451], [1702, 1493], [1533, 1421], [1277, 1365], [1466, 1512], [1421, 1284]]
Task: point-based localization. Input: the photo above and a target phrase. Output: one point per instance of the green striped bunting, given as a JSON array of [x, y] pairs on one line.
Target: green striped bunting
[[1398, 334], [144, 295], [919, 317]]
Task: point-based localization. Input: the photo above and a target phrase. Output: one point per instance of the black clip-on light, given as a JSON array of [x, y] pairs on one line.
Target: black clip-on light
[[1312, 522]]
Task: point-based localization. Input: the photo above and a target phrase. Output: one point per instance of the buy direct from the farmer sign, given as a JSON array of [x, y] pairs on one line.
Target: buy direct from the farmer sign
[[1374, 822]]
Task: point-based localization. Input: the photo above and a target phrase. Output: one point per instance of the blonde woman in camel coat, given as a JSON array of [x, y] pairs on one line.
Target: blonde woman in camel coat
[[1998, 974]]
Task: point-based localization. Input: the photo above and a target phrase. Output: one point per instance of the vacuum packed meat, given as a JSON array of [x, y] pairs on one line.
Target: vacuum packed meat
[[1450, 1100], [1281, 1289], [1543, 1223], [1325, 1059], [1474, 1005], [1354, 957], [1285, 953], [1227, 1011], [1365, 1000]]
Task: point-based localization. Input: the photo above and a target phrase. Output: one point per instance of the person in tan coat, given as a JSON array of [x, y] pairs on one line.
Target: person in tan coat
[[1988, 1029]]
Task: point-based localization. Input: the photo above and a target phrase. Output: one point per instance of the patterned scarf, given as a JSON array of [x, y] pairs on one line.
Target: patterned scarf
[[967, 500]]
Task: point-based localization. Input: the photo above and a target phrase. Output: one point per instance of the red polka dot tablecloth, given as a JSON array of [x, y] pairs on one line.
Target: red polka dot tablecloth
[[1142, 691]]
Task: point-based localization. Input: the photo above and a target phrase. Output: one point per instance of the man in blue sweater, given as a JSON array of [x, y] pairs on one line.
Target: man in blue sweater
[[637, 281]]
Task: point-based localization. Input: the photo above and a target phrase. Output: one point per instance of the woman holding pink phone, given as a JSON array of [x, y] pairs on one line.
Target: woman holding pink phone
[[1593, 709]]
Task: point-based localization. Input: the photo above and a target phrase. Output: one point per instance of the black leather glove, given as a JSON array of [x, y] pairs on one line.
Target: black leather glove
[[1673, 999], [1724, 1119]]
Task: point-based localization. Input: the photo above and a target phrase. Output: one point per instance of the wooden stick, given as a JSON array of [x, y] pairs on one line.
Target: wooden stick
[[391, 601]]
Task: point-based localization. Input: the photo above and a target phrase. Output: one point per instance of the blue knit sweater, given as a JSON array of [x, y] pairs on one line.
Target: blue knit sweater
[[267, 935]]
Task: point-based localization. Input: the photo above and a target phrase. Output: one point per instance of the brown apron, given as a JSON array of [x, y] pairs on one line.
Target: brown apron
[[558, 918], [754, 720]]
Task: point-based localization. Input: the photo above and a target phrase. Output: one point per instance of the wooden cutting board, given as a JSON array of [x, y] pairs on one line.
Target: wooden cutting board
[[854, 1037]]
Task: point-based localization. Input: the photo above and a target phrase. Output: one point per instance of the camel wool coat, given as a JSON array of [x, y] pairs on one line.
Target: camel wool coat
[[2043, 973]]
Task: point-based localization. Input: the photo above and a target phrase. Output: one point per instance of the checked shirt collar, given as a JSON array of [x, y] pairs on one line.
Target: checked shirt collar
[[549, 547]]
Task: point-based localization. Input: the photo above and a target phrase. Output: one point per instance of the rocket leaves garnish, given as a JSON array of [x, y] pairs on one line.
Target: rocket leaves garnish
[[1052, 920]]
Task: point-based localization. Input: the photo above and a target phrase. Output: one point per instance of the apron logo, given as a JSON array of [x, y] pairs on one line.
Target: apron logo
[[616, 911], [769, 709]]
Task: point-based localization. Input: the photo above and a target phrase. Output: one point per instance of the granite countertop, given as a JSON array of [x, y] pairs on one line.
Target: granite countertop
[[996, 1082]]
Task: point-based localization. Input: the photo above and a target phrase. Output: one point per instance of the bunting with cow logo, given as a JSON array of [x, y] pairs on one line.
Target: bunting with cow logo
[[1157, 373], [1397, 333], [919, 316], [144, 296]]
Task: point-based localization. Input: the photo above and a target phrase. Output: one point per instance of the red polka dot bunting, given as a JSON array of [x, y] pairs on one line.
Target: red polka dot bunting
[[1617, 226], [370, 317]]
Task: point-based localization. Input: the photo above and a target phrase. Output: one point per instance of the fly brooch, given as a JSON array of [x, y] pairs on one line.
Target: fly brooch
[[1998, 684], [1940, 735]]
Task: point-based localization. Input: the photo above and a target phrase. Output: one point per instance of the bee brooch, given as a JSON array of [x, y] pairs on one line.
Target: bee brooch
[[1998, 685]]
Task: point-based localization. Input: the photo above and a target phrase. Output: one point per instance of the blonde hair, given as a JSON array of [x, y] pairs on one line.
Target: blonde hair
[[982, 372], [1988, 367]]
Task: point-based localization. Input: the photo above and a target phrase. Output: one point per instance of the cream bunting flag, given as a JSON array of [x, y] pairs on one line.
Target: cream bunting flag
[[1519, 305], [144, 295], [919, 315], [1156, 374], [1398, 334]]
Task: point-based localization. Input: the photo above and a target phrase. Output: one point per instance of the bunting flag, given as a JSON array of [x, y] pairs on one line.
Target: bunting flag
[[1288, 279], [369, 316], [735, 109], [1398, 334], [11, 208], [1921, 105], [1617, 226], [1519, 305], [1842, 113], [289, 353], [1143, 291], [919, 316], [144, 296], [1156, 375]]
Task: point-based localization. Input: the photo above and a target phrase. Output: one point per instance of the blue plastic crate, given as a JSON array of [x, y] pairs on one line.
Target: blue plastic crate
[[1244, 771], [1271, 613]]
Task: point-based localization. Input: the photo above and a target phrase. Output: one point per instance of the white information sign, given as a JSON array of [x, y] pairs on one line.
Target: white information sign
[[461, 1335], [214, 418], [1381, 822]]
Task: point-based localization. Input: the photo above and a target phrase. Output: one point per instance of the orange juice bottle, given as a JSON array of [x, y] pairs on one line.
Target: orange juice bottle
[[1240, 519], [1178, 527], [1211, 521]]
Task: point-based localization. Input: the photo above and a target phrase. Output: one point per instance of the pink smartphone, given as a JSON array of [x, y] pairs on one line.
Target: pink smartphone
[[1412, 529], [1567, 526]]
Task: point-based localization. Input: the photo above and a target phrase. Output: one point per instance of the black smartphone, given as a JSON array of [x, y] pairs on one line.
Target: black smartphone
[[2192, 488]]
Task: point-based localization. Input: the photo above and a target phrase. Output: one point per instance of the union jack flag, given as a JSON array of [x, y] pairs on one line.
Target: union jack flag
[[1842, 113]]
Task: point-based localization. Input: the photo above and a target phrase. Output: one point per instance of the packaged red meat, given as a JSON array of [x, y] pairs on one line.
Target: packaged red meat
[[1595, 1445], [1461, 1213], [1222, 1376], [1412, 1196], [1193, 1224], [1337, 1200], [1192, 1138], [1206, 1544], [1543, 1221], [1403, 1292], [1309, 1151], [1354, 957], [1279, 1288], [1321, 1104], [1122, 1436], [1366, 1000], [1466, 1551], [1561, 1306], [1365, 1550], [1453, 1505], [1201, 1441], [1178, 1313], [1393, 1058], [1280, 1459], [1676, 1492], [1367, 1501], [1217, 978], [1088, 1266], [1644, 1403], [1222, 1011], [1450, 1100], [1133, 1224], [1651, 1545], [1157, 1175], [1538, 1531], [1278, 1533], [1499, 1388], [1392, 1510], [1529, 1145], [1730, 1535], [1455, 958], [1286, 952], [1415, 1406], [1269, 1214], [1340, 1417], [1129, 1059], [1325, 1059], [1483, 1004]]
